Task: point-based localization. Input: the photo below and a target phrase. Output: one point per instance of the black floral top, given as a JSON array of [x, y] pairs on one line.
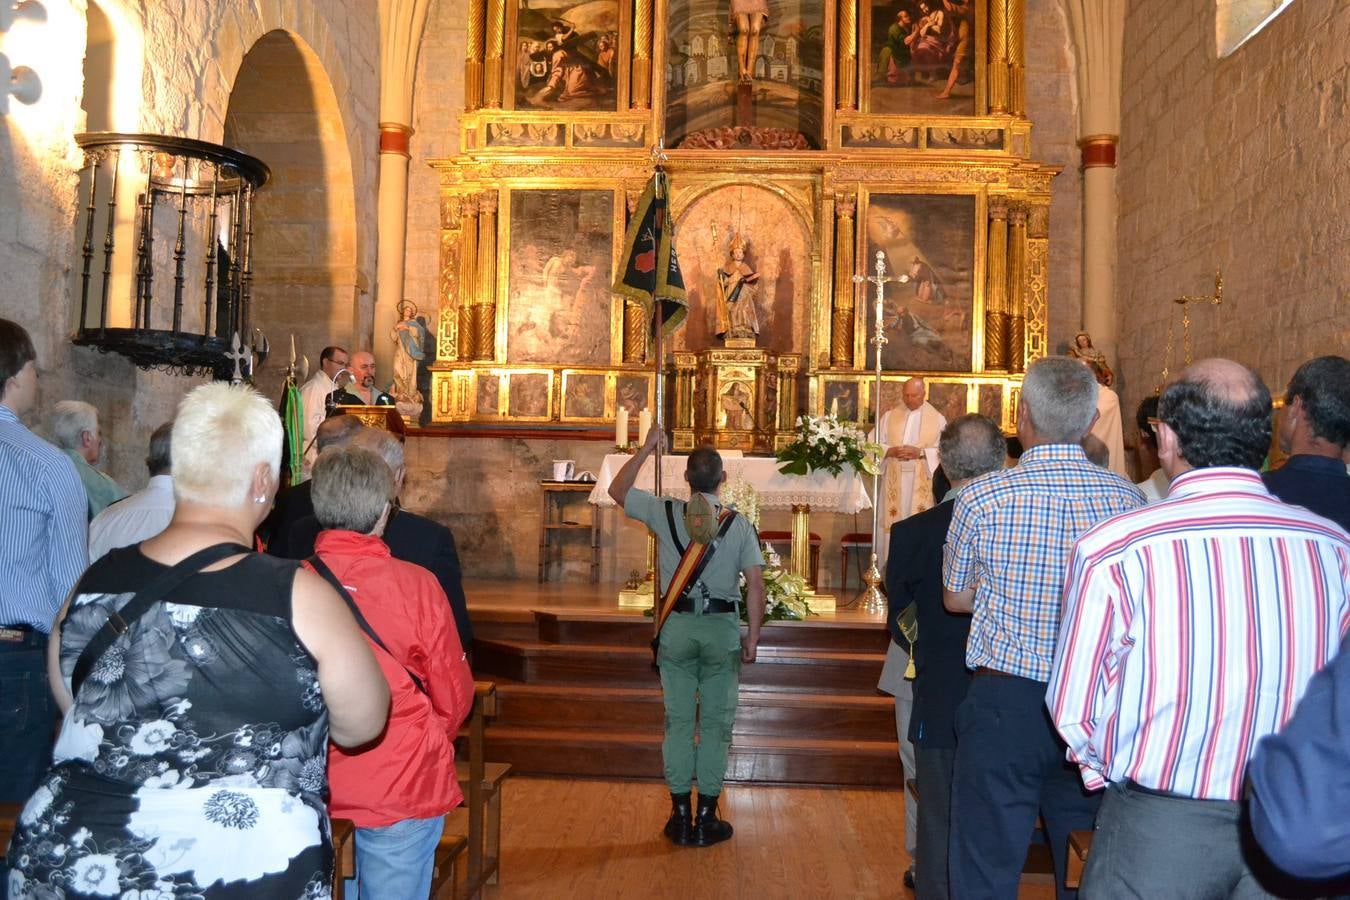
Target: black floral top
[[193, 761]]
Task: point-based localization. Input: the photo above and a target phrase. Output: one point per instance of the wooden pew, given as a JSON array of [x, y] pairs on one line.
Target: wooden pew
[[482, 784], [475, 827], [1080, 842]]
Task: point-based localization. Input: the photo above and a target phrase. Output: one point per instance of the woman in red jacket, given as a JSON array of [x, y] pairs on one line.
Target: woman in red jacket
[[397, 790]]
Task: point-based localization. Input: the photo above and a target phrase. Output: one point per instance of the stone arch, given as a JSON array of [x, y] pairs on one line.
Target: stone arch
[[284, 110]]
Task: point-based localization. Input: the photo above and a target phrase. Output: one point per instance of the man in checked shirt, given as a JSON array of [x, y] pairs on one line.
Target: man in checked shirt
[[1004, 562], [1191, 629]]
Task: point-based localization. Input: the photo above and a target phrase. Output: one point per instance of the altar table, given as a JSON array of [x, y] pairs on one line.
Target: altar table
[[821, 491]]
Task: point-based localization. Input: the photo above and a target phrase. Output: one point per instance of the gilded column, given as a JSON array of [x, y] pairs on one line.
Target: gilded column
[[468, 275], [1017, 288], [452, 268], [634, 332], [473, 55], [1036, 301], [496, 37], [996, 290], [998, 56], [1017, 57], [642, 54], [846, 91], [485, 310], [841, 325]]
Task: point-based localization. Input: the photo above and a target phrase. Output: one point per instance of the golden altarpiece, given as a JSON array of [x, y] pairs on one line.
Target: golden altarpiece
[[801, 137]]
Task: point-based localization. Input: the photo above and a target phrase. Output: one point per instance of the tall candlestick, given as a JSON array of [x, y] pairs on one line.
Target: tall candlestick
[[621, 428], [644, 424]]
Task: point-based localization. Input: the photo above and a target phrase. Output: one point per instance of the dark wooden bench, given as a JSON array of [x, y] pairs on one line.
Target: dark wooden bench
[[1080, 842]]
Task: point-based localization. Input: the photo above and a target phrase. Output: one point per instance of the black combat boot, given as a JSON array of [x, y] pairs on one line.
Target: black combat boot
[[708, 829], [680, 826]]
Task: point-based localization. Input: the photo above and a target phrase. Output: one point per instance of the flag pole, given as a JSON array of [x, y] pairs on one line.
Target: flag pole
[[658, 343]]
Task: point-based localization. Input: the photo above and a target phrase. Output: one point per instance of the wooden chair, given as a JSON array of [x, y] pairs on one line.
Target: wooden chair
[[776, 539], [854, 540]]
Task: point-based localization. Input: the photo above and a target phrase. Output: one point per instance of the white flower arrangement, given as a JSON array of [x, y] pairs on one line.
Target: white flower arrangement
[[826, 442], [784, 593]]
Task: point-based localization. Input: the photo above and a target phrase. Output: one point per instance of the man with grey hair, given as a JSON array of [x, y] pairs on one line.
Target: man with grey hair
[[969, 447], [1005, 559], [411, 538], [296, 503], [145, 513], [908, 435], [74, 427]]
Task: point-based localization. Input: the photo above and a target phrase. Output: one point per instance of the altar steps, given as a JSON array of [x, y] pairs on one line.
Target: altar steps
[[577, 696], [535, 662], [758, 712]]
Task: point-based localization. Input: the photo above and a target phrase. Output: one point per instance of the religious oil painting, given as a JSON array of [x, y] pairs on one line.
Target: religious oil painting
[[919, 57], [745, 253], [558, 293], [529, 395], [633, 393], [991, 402], [931, 240], [745, 74], [487, 401], [566, 55], [948, 398], [844, 396], [583, 395]]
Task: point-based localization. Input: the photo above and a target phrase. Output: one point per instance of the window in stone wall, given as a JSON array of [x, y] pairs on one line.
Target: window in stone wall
[[1236, 21]]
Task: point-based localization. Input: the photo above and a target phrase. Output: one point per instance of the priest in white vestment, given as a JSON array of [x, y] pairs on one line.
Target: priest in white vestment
[[1107, 429], [314, 398], [908, 434]]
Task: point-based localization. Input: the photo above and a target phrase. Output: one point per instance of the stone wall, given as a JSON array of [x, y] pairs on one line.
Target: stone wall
[[179, 64], [1236, 164]]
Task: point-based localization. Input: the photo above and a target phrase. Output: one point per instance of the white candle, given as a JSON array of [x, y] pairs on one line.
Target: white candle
[[834, 407], [644, 425], [621, 427]]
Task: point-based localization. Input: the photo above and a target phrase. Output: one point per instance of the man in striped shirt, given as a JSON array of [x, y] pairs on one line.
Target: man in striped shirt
[[1005, 558], [42, 553], [1191, 628]]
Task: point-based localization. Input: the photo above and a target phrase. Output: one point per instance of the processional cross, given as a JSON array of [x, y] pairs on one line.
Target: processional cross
[[873, 601], [238, 354]]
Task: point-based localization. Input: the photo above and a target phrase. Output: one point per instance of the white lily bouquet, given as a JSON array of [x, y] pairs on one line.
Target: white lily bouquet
[[826, 442], [784, 593]]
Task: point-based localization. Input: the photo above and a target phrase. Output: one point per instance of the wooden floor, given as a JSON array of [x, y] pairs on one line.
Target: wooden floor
[[602, 839]]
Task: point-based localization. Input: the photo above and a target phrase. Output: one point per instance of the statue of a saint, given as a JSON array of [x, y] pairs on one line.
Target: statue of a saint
[[411, 343], [737, 285], [1082, 349], [747, 20]]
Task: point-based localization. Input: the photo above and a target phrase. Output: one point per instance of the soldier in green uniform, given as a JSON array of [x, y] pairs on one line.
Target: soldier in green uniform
[[701, 648]]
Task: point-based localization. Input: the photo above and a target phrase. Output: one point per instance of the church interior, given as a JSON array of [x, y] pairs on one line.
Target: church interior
[[203, 189]]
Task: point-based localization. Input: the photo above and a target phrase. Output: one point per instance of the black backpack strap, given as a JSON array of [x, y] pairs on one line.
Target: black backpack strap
[[321, 568], [121, 620], [674, 535]]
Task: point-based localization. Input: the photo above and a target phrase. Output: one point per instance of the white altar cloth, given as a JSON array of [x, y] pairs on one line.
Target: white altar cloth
[[842, 493]]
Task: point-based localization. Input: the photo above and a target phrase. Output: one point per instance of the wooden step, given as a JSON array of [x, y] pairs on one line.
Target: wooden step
[[758, 758], [537, 662], [635, 630], [864, 717]]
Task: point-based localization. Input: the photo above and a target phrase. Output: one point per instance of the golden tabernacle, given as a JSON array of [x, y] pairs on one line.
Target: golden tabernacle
[[798, 143]]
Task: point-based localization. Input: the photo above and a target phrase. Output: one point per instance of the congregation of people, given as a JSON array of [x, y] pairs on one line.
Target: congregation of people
[[1164, 665], [232, 663], [218, 704]]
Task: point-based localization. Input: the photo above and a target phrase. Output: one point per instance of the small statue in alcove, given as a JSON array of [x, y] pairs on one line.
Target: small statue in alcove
[[737, 285]]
